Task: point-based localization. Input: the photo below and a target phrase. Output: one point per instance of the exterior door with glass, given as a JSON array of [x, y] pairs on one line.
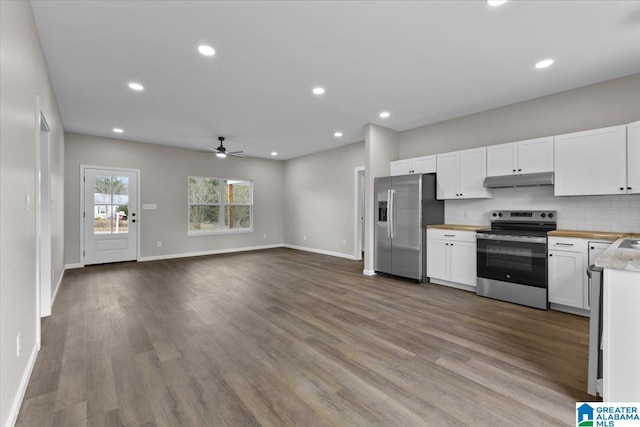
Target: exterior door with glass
[[110, 215]]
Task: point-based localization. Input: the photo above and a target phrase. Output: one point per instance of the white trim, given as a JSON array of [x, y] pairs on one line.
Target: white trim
[[26, 376], [72, 266], [225, 231], [570, 310], [320, 251], [369, 272], [212, 252], [55, 291], [452, 285], [357, 249]]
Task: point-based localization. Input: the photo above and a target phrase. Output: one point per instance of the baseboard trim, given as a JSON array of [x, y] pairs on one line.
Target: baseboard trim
[[72, 266], [55, 291], [452, 285], [24, 382], [369, 272], [571, 310], [320, 251], [212, 252]]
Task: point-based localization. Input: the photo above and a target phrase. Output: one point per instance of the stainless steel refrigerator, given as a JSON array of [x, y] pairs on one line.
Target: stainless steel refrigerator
[[404, 205]]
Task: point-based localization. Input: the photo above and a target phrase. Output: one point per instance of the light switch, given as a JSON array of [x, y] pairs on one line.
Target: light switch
[[149, 206], [27, 202]]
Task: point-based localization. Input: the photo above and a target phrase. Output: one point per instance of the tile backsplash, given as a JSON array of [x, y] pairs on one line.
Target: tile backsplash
[[597, 213]]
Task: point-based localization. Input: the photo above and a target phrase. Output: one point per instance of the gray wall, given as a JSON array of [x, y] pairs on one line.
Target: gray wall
[[23, 76], [319, 199], [609, 103], [163, 181], [381, 147]]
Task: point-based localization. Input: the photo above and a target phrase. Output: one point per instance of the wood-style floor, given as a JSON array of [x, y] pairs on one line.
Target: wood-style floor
[[282, 337]]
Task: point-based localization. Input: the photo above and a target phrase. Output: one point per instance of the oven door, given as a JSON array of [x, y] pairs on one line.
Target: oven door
[[515, 259]]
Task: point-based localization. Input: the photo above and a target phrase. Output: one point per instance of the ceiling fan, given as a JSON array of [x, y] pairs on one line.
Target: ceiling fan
[[222, 152]]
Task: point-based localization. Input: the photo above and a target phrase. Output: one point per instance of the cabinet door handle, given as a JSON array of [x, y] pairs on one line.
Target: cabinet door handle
[[628, 188], [550, 254], [564, 244], [621, 188], [514, 170], [519, 170], [449, 235]]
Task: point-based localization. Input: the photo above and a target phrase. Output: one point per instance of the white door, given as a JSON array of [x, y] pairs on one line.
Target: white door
[[425, 164], [633, 158], [438, 259], [447, 175], [110, 215], [502, 159], [565, 278], [400, 167], [463, 263], [535, 155], [472, 169]]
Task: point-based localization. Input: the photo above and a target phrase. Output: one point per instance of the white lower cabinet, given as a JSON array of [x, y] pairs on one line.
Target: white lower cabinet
[[569, 285], [565, 278], [451, 256]]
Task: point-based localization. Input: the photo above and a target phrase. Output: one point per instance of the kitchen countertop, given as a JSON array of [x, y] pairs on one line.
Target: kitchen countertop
[[583, 234], [458, 227], [617, 258]]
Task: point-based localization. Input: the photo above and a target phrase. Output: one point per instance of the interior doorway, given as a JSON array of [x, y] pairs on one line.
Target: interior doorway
[[109, 213], [359, 191]]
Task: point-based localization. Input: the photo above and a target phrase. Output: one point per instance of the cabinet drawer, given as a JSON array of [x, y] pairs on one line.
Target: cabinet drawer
[[452, 235], [567, 244]]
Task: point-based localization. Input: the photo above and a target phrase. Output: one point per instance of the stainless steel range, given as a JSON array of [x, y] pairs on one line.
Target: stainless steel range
[[512, 257]]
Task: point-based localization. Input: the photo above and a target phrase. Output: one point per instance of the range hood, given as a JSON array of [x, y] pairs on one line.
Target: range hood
[[523, 180]]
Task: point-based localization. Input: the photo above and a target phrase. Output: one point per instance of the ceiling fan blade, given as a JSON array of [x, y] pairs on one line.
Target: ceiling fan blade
[[213, 149], [235, 154]]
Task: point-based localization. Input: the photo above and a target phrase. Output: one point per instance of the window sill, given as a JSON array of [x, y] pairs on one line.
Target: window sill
[[213, 233]]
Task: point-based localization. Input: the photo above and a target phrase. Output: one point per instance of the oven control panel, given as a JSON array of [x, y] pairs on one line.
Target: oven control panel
[[520, 216]]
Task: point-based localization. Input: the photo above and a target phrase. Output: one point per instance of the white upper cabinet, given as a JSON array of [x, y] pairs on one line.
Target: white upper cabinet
[[426, 164], [592, 162], [530, 156], [633, 158], [461, 174]]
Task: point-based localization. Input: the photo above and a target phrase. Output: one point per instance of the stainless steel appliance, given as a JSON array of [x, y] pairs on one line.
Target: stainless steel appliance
[[512, 257], [594, 379], [404, 206]]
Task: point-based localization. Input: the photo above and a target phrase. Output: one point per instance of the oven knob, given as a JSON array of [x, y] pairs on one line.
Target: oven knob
[[543, 215], [500, 214], [494, 214], [550, 215]]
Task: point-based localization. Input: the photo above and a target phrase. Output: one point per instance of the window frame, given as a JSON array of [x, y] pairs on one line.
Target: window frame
[[222, 206]]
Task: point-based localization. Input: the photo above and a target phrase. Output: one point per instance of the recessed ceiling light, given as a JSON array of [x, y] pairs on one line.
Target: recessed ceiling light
[[274, 153], [136, 86], [337, 134], [318, 90], [496, 2], [385, 114], [221, 155], [117, 130], [206, 50], [544, 63]]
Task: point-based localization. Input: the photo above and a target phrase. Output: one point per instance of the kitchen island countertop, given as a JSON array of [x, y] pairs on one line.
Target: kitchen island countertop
[[618, 258]]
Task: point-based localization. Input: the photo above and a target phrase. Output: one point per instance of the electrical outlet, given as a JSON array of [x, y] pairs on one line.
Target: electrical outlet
[[344, 243], [264, 236], [27, 202], [304, 237], [159, 244], [18, 344]]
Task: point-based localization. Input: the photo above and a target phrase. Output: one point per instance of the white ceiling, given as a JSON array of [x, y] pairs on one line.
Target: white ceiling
[[423, 61]]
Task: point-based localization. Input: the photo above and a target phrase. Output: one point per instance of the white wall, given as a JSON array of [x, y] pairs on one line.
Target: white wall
[[23, 76], [609, 103], [319, 201], [163, 181], [599, 213]]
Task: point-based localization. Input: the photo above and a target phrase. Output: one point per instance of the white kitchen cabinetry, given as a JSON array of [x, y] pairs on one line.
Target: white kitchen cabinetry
[[451, 257], [633, 158], [426, 164], [592, 162], [461, 174], [530, 156], [569, 284]]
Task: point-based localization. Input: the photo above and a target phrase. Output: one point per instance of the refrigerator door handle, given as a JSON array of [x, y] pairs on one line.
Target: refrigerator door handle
[[389, 214], [392, 201]]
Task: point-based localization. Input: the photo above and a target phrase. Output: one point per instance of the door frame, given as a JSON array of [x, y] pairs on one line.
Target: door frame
[[358, 226], [82, 218]]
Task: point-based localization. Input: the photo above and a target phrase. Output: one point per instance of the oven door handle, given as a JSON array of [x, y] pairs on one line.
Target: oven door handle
[[512, 238]]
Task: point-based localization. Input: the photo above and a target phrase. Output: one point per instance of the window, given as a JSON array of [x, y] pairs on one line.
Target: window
[[219, 205]]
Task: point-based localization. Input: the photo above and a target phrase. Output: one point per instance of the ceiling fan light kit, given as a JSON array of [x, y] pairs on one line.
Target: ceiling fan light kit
[[222, 152]]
